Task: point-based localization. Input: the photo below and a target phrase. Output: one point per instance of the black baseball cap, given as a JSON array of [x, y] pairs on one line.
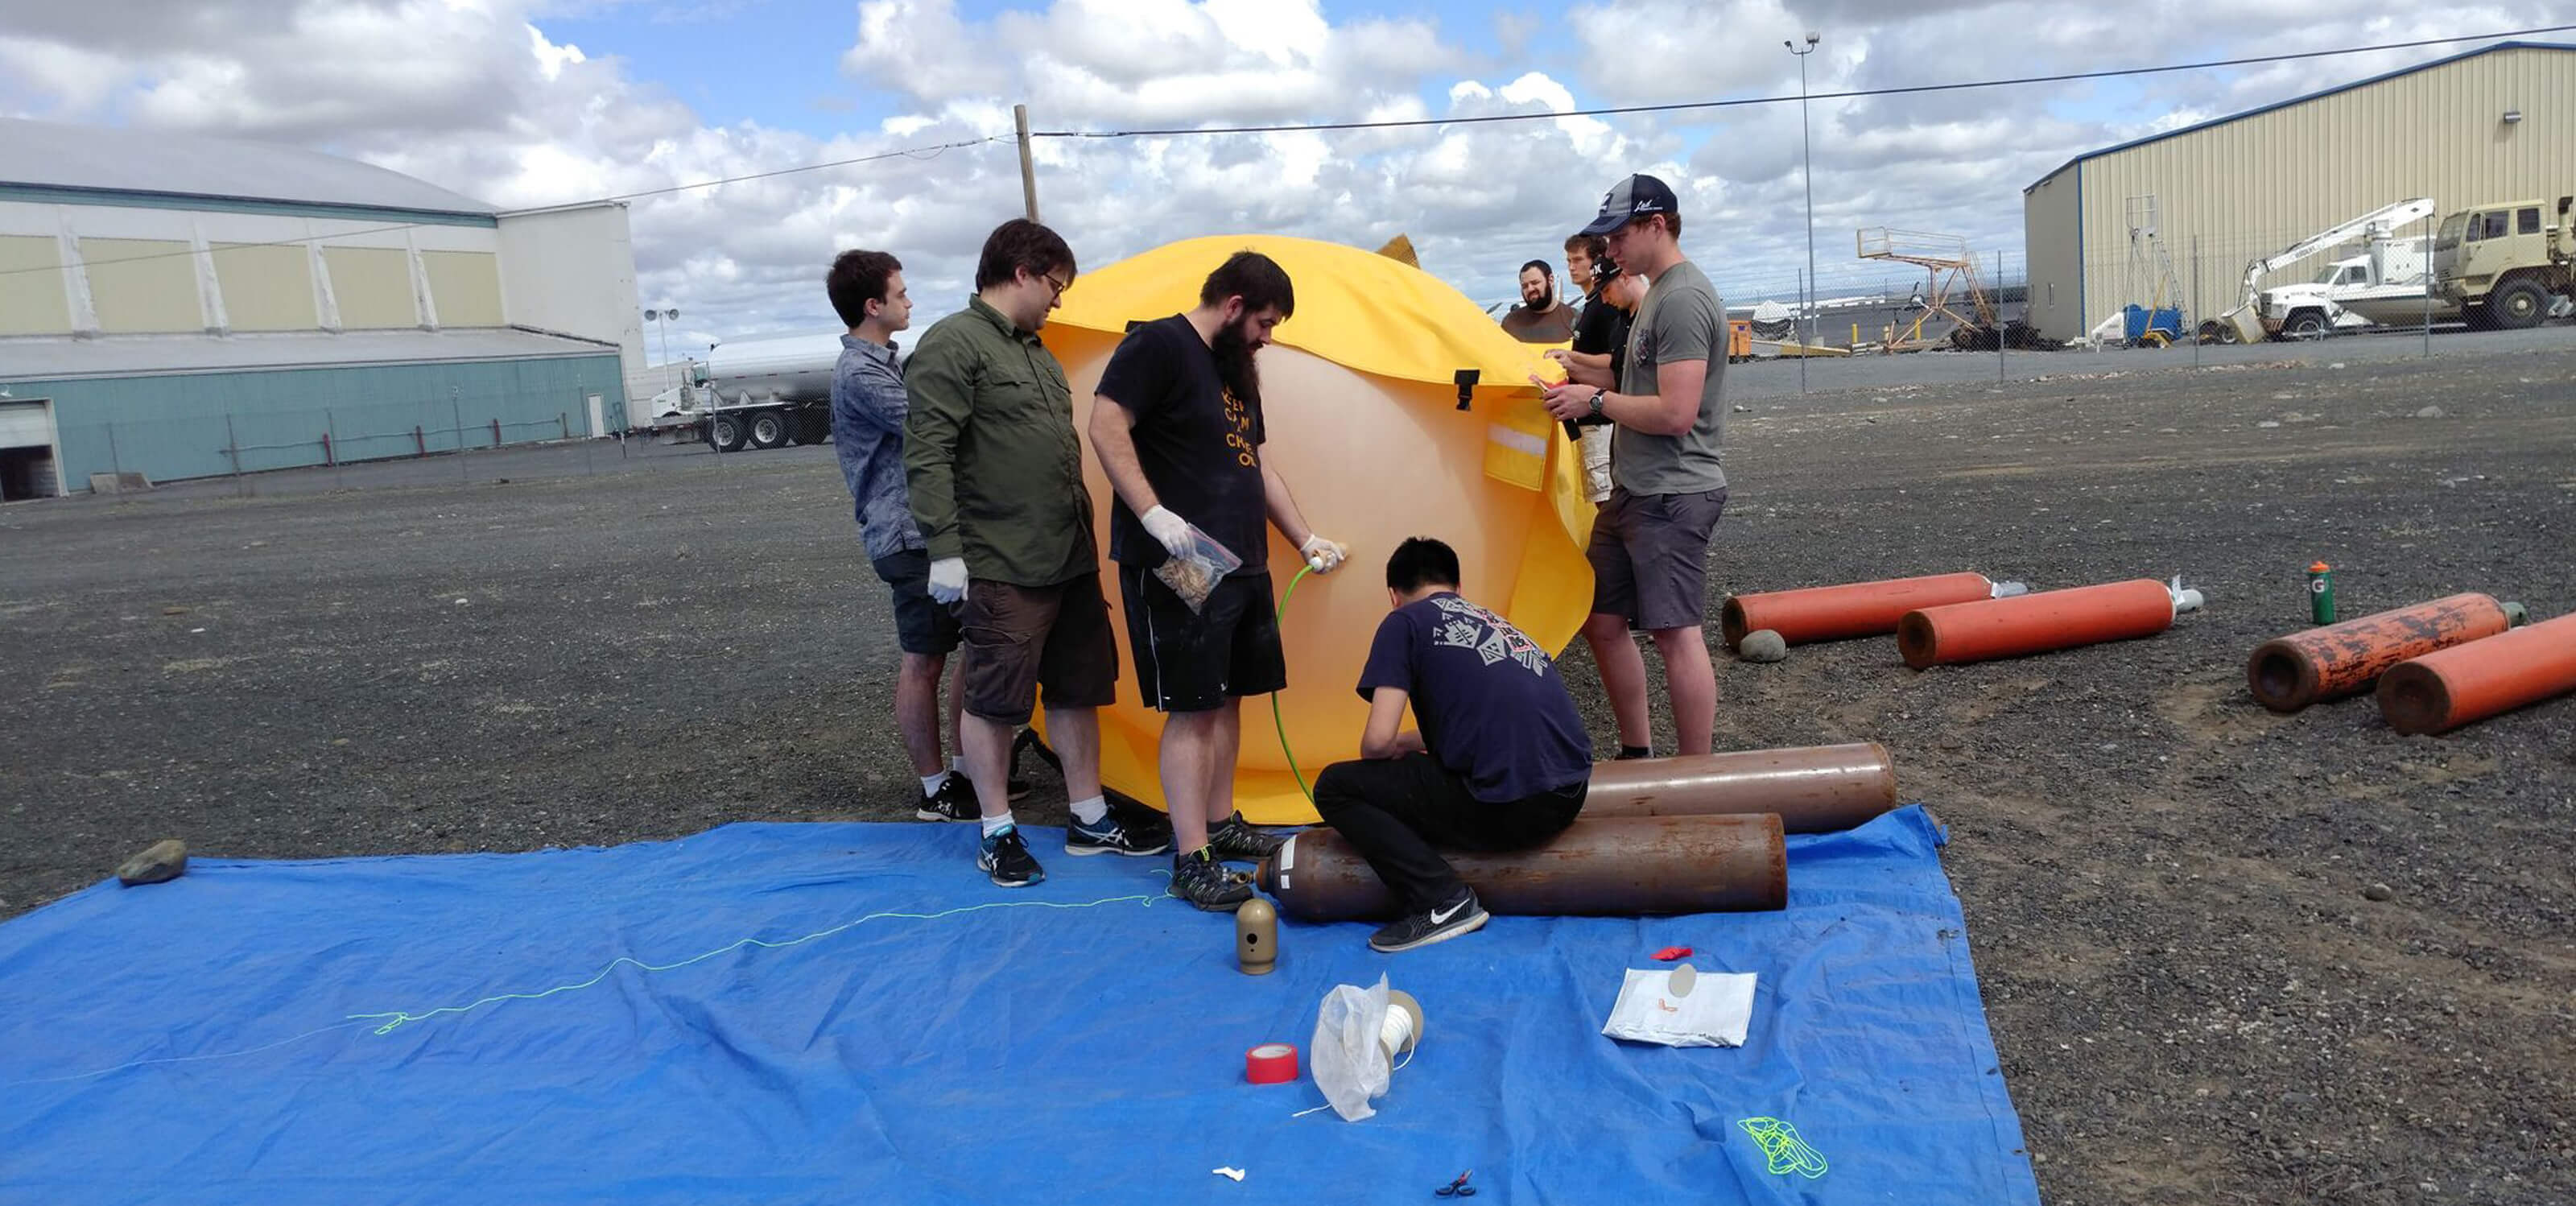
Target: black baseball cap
[[1631, 199]]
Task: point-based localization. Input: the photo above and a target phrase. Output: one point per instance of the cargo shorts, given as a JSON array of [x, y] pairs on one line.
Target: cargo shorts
[[1649, 557], [1024, 639]]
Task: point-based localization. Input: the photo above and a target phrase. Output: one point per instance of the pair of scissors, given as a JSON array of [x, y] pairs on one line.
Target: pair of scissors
[[1458, 1188]]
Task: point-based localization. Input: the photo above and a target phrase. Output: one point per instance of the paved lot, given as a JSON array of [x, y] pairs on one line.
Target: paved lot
[[2171, 892]]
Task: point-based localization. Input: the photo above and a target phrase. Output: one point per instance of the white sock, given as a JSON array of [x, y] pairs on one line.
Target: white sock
[[994, 825], [930, 784], [957, 762], [1090, 811]]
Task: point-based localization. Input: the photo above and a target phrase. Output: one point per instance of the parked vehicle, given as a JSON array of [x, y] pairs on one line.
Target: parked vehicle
[[2507, 264], [768, 394], [2300, 316], [2384, 286]]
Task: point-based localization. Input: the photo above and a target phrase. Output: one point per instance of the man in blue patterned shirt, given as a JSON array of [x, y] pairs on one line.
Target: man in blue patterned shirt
[[868, 408]]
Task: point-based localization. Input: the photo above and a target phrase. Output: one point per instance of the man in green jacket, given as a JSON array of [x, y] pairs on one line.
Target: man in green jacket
[[996, 477]]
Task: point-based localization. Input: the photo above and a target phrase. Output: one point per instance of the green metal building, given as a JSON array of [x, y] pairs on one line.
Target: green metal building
[[183, 307]]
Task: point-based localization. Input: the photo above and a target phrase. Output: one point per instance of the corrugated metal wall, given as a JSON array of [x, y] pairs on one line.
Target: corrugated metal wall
[[2050, 213], [195, 425], [2235, 192]]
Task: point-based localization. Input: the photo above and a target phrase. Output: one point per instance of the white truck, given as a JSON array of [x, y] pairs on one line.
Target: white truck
[[2308, 310], [2383, 286], [765, 394], [2507, 264]]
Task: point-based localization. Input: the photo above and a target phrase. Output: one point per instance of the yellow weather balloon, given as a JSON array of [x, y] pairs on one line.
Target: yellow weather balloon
[[1394, 407]]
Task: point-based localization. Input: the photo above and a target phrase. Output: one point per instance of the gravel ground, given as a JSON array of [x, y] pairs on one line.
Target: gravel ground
[[2173, 894]]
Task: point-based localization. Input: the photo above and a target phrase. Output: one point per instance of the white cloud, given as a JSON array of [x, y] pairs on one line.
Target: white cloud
[[474, 96]]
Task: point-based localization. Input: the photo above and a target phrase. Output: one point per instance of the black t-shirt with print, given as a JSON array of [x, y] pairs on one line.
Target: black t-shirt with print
[[1199, 445], [1486, 698]]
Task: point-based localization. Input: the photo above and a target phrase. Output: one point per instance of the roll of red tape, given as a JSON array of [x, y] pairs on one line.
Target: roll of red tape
[[1270, 1064]]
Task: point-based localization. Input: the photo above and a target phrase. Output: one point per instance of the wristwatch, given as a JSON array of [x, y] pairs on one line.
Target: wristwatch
[[1597, 395]]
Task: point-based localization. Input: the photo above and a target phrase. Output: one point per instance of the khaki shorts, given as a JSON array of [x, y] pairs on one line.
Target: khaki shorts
[[1649, 557], [1024, 639]]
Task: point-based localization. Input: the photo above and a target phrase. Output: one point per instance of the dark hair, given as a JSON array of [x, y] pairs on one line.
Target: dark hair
[[857, 278], [1542, 266], [1419, 562], [1595, 248], [1017, 245], [1254, 277]]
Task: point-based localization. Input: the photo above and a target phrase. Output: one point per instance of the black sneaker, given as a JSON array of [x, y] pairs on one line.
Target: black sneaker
[[1235, 838], [1144, 820], [1203, 881], [1460, 916], [954, 801], [1007, 859], [1114, 836]]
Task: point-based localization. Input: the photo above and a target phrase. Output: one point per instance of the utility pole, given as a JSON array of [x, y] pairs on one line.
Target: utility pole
[[1028, 167]]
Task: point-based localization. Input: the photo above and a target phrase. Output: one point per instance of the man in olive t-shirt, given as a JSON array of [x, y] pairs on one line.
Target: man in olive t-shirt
[[1649, 549]]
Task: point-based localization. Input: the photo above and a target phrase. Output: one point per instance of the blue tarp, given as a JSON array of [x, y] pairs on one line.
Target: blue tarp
[[848, 1013]]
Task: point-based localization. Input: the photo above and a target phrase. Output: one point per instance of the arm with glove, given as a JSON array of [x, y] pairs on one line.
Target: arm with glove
[[1323, 556], [1113, 440], [940, 382]]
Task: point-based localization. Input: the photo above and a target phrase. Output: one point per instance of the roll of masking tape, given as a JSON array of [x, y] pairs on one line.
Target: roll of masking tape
[[1270, 1064]]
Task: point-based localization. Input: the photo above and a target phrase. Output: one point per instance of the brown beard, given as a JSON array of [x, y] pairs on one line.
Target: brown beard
[[1234, 365]]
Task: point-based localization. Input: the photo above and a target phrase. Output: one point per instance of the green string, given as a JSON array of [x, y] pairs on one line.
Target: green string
[[1275, 720], [1785, 1151]]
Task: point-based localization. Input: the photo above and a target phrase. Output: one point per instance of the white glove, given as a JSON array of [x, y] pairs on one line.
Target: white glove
[[948, 579], [1169, 530], [1322, 555]]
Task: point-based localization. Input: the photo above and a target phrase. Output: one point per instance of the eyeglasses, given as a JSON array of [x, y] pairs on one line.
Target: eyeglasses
[[1057, 285]]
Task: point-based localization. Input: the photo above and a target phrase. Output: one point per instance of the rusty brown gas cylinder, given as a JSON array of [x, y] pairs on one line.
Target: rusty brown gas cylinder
[[2289, 673], [1814, 789], [1598, 867]]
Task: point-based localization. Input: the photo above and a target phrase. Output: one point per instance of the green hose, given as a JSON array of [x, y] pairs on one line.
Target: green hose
[[1275, 719]]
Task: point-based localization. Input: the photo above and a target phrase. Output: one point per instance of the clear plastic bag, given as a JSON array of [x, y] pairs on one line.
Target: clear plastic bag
[[1193, 575], [1349, 1065]]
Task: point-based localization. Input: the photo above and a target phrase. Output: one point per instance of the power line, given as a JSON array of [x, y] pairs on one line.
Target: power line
[[922, 153], [1744, 102]]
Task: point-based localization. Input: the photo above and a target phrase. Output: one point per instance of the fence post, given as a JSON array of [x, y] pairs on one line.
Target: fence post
[[496, 433], [419, 443], [330, 436], [2196, 296], [1999, 315], [115, 461], [232, 443], [458, 414], [2426, 264], [564, 421]]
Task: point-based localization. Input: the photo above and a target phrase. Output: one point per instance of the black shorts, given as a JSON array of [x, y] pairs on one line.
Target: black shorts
[[1193, 662], [921, 624], [1021, 639]]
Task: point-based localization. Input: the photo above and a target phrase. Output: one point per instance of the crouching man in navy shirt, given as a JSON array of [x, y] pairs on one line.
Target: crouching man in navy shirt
[[1498, 759]]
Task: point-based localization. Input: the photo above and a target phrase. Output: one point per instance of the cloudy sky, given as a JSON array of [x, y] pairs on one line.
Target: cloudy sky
[[533, 102]]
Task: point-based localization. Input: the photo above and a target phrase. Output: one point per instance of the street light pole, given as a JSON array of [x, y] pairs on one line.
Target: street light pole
[[1807, 155], [661, 319]]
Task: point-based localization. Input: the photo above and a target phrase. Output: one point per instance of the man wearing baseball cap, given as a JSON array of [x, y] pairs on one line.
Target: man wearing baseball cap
[[1649, 549]]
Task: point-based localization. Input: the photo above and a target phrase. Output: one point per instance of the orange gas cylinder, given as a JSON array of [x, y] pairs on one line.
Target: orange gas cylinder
[[2037, 623], [2451, 687], [1833, 613]]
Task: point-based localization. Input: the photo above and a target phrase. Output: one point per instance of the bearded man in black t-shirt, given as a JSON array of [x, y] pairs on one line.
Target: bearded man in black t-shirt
[[1178, 427]]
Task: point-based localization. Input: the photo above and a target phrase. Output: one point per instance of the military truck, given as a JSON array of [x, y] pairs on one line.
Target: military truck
[[2509, 264]]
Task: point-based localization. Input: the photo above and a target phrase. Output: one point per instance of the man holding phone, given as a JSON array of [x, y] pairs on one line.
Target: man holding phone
[[1649, 550]]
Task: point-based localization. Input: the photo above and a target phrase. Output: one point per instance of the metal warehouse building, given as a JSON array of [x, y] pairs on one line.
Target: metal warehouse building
[[2494, 124], [183, 307]]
